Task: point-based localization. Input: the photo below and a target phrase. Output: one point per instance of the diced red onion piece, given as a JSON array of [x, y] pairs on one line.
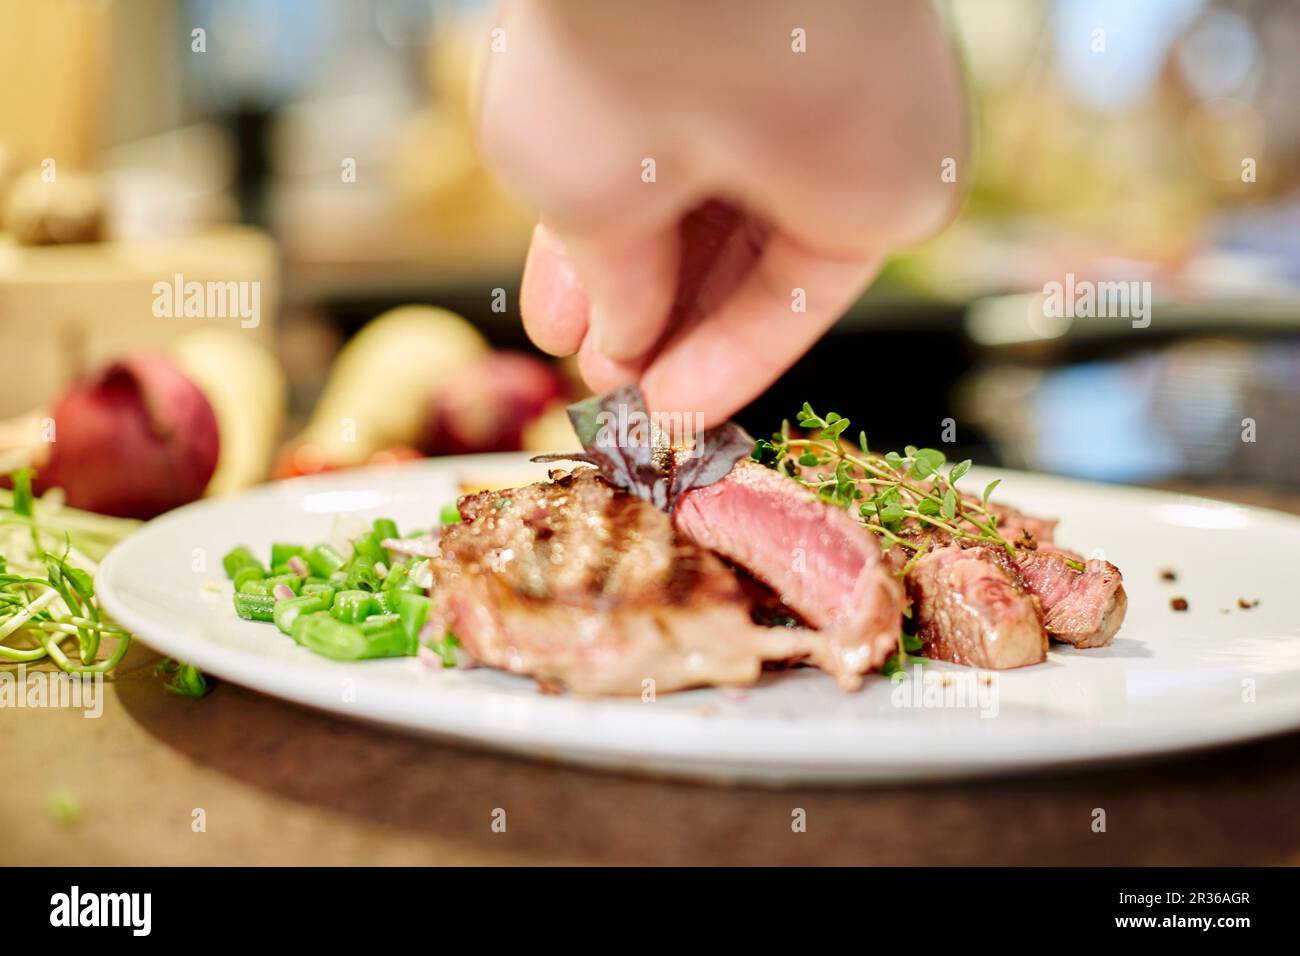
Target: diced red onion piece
[[425, 547], [422, 575], [298, 566], [282, 592]]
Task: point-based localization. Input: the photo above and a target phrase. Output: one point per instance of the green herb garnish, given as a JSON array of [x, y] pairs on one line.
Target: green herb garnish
[[48, 558], [885, 492], [446, 649], [186, 679], [908, 645]]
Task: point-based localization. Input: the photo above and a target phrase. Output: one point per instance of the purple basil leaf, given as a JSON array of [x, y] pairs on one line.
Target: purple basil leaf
[[618, 438], [713, 459]]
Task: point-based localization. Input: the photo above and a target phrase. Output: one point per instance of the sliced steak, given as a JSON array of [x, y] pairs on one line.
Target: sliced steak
[[1022, 530], [816, 556], [1084, 608], [1018, 527], [970, 607], [590, 589]]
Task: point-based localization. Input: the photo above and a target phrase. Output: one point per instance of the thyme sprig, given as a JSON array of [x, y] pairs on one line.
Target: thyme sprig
[[885, 492], [908, 645]]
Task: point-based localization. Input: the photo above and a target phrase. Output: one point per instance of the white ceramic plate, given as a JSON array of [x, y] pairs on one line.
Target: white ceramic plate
[[1170, 681]]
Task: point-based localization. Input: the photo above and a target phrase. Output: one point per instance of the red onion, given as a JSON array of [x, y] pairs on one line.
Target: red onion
[[134, 441], [282, 592], [425, 547], [429, 659], [298, 566]]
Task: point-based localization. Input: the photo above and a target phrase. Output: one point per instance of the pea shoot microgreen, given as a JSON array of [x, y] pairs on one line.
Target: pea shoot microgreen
[[48, 556], [48, 607], [889, 493]]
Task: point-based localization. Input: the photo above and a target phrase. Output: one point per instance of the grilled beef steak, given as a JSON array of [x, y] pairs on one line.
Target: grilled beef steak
[[591, 589], [816, 556], [970, 607], [1084, 608]]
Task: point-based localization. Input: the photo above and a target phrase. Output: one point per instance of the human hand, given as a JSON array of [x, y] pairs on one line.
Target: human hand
[[711, 199]]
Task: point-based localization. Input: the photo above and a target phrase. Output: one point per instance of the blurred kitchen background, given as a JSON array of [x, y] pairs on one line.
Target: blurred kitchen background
[[323, 149]]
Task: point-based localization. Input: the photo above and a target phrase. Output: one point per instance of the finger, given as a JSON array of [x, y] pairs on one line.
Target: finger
[[552, 301], [630, 278], [602, 373], [726, 359], [717, 246]]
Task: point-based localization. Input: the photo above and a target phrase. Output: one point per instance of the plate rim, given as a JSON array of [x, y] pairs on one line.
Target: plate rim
[[549, 730]]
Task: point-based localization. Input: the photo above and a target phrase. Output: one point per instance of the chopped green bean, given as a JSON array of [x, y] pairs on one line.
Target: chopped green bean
[[446, 649], [324, 560], [334, 639], [414, 611], [249, 572], [396, 572], [281, 553], [366, 548], [387, 602], [288, 611], [353, 606], [254, 607], [385, 637], [363, 577], [238, 558], [347, 608], [291, 579], [321, 633]]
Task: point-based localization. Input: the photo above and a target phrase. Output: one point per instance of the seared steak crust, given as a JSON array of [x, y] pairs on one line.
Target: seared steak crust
[[591, 589]]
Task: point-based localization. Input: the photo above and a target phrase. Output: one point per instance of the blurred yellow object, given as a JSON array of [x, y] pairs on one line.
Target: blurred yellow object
[[247, 389], [48, 212], [78, 307], [551, 431], [437, 170], [377, 396], [53, 60]]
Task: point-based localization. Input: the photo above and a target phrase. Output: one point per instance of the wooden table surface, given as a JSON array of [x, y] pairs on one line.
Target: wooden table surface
[[279, 784]]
